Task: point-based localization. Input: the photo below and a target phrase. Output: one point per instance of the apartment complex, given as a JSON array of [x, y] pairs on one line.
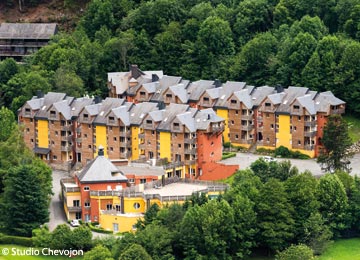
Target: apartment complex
[[18, 40], [255, 117], [65, 131], [112, 197]]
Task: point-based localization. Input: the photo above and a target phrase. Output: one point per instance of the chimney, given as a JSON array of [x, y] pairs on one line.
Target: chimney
[[39, 94], [217, 83], [279, 88], [97, 100], [101, 151], [154, 78], [135, 72]]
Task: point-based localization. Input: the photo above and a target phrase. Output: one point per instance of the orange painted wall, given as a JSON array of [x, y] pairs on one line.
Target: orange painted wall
[[216, 171], [321, 122], [85, 196], [209, 148]]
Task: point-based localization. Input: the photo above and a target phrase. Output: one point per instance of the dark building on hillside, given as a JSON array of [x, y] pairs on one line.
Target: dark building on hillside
[[22, 39]]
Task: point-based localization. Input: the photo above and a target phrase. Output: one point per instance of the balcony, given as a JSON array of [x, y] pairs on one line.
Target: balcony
[[125, 134], [337, 111], [66, 138], [260, 119], [217, 128], [66, 148], [309, 147], [74, 209], [172, 165], [190, 151], [190, 162], [142, 146], [141, 136], [125, 144], [310, 123], [247, 117], [247, 127], [78, 140], [310, 133], [190, 140], [66, 128]]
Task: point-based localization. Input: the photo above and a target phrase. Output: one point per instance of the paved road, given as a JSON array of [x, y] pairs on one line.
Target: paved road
[[245, 159], [57, 215]]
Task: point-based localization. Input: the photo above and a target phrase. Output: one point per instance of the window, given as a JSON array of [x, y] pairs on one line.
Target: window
[[168, 96], [212, 143], [142, 93], [86, 188], [28, 130], [87, 204], [233, 101], [236, 137], [136, 205], [86, 117], [76, 203], [89, 146], [111, 119], [179, 145], [153, 132], [54, 157], [212, 154], [296, 107], [78, 215], [206, 99], [52, 113], [149, 122], [118, 208], [131, 180], [142, 180], [115, 139], [299, 118], [232, 122], [109, 206], [299, 142], [111, 149], [236, 112], [272, 126], [267, 105], [267, 115], [31, 140]]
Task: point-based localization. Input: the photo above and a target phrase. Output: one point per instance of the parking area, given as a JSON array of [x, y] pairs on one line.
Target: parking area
[[245, 159]]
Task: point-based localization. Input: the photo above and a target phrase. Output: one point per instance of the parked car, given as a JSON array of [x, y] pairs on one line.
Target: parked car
[[269, 159], [75, 223]]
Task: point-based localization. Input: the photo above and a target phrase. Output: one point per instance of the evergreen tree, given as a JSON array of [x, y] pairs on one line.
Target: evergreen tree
[[26, 199], [336, 141]]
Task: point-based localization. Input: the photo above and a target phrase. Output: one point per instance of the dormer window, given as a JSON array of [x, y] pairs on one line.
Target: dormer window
[[149, 122], [176, 126], [168, 96], [296, 107], [233, 101], [86, 117], [52, 114], [142, 93], [27, 111], [111, 119], [206, 100], [267, 104]]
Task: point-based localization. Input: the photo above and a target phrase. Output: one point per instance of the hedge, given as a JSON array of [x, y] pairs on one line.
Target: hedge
[[228, 155], [15, 240], [98, 230]]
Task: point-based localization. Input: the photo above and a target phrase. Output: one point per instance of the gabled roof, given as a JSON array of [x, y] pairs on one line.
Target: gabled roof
[[226, 91], [101, 170], [308, 103], [105, 107], [27, 30], [122, 114], [79, 104], [48, 100], [63, 108], [325, 99], [197, 88], [187, 120], [164, 83], [276, 98], [244, 97], [206, 116], [180, 91], [169, 114], [139, 111], [119, 80], [260, 93], [291, 93]]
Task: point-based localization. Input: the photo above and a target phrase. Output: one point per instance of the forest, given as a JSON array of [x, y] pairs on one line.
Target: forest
[[314, 44]]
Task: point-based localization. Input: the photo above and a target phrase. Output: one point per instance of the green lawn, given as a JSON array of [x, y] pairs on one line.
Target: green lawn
[[344, 249], [354, 127], [12, 257]]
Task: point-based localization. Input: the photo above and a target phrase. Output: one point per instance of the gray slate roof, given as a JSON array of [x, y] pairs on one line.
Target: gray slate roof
[[101, 170], [49, 99], [291, 93], [170, 113], [206, 116], [105, 107], [244, 97], [139, 111], [260, 93], [226, 91], [324, 99], [27, 30], [308, 103], [164, 83], [197, 88]]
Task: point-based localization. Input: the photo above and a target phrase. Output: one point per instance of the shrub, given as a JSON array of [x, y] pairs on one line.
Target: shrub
[[15, 240], [98, 230], [264, 151], [296, 252], [228, 155]]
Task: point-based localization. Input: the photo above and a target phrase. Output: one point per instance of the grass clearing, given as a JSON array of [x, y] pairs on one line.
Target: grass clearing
[[10, 255], [354, 127], [344, 249]]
